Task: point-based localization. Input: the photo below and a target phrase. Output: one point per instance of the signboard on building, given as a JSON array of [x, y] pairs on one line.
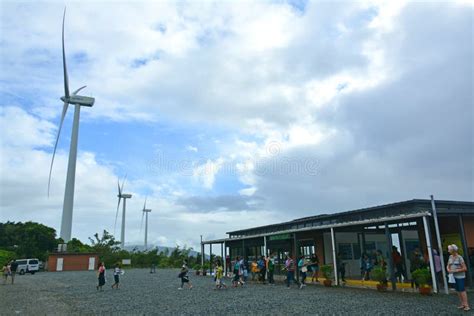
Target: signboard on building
[[126, 262], [280, 237]]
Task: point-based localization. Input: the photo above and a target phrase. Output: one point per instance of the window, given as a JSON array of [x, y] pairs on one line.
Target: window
[[345, 250], [21, 262], [33, 261]]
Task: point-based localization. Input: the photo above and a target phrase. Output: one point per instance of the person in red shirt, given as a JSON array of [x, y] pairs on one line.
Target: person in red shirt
[[398, 263]]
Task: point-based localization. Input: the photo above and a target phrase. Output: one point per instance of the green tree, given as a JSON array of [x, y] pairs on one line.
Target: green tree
[[28, 240]]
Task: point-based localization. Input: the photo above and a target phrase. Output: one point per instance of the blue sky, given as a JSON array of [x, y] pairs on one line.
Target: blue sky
[[234, 114]]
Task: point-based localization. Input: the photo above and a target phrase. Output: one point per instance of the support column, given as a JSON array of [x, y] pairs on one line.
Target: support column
[[224, 258], [334, 257], [222, 251], [265, 245], [430, 254], [202, 254], [466, 250], [295, 258], [390, 258], [210, 259], [440, 245]]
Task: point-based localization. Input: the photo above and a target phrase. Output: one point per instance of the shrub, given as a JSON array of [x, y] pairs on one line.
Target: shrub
[[326, 270], [379, 274], [422, 276]]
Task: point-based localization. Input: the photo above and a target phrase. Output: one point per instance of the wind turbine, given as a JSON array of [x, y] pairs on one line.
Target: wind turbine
[[121, 196], [145, 211], [77, 101]]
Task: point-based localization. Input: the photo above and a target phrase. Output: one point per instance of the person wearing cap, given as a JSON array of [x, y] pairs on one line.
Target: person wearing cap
[[457, 267]]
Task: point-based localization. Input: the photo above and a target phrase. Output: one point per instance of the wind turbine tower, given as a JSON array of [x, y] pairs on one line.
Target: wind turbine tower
[[77, 101], [145, 212], [121, 196]]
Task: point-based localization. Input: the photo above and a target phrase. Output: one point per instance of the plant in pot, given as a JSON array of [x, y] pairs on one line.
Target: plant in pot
[[326, 270], [197, 269], [422, 278], [205, 267], [379, 274]]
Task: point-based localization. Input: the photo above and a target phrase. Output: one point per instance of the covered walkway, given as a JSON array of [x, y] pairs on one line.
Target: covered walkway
[[342, 239]]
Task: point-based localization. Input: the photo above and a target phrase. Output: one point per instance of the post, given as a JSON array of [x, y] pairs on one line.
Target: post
[[466, 250], [295, 257], [334, 258], [390, 258], [440, 245], [66, 220], [265, 246], [225, 260], [202, 254], [430, 254], [210, 259]]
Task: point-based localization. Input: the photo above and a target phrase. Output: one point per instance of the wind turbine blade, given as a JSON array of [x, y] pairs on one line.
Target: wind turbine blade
[[66, 80], [144, 205], [56, 144], [75, 92], [116, 215], [119, 190]]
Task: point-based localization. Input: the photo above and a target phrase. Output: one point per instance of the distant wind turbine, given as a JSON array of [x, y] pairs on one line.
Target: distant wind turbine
[[77, 101], [121, 196], [145, 211]]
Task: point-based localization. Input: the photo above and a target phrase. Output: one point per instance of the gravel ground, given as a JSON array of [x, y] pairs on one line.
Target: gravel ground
[[143, 293]]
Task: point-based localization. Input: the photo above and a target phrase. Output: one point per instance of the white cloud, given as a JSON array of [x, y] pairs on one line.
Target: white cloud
[[192, 148], [206, 173]]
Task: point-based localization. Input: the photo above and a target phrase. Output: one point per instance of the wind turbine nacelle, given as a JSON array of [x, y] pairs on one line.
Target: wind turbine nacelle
[[79, 100], [126, 196]]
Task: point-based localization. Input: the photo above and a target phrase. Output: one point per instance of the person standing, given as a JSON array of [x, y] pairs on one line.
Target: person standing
[[219, 276], [227, 264], [117, 273], [262, 269], [6, 272], [457, 267], [101, 276], [341, 267], [271, 270], [315, 267], [13, 268], [365, 266], [253, 269], [290, 270], [398, 262], [416, 262], [303, 269], [438, 267], [184, 276]]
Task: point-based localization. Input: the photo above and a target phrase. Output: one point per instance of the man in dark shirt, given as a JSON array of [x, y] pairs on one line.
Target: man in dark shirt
[[13, 267]]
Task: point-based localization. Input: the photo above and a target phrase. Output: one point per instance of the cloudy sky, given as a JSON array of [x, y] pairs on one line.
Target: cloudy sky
[[229, 115]]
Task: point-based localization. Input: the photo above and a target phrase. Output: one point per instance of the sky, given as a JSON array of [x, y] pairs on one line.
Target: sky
[[227, 115]]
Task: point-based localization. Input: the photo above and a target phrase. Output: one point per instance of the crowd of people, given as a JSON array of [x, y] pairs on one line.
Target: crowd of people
[[262, 269]]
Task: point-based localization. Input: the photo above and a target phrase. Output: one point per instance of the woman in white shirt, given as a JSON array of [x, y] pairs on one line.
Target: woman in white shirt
[[457, 267]]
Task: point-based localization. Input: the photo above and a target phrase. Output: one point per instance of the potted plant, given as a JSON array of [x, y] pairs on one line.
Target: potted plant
[[326, 270], [380, 274], [204, 269], [422, 277], [197, 269]]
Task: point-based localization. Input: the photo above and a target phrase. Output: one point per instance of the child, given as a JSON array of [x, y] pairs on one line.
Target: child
[[117, 273], [184, 276], [6, 273], [219, 275]]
